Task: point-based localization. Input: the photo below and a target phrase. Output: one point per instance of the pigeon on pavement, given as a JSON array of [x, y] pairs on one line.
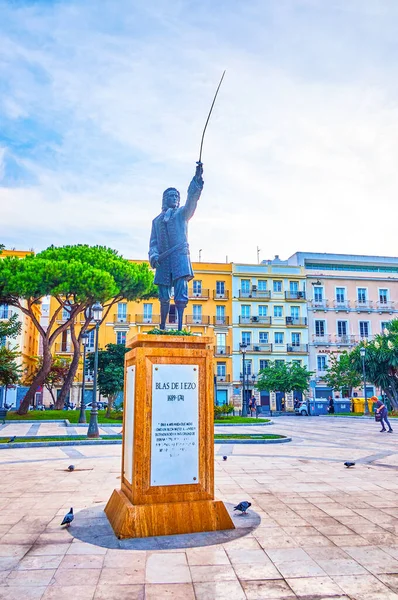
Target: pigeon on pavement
[[243, 506], [349, 464], [71, 468], [224, 457], [68, 518], [12, 439]]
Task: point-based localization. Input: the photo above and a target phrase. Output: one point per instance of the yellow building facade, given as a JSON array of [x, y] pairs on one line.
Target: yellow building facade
[[209, 313]]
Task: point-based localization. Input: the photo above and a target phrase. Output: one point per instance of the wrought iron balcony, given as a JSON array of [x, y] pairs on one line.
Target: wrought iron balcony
[[295, 296], [222, 350], [254, 320], [385, 306], [63, 348], [345, 340], [341, 304], [197, 320], [203, 294], [220, 321], [255, 293], [321, 340], [319, 304], [147, 319], [122, 319], [296, 321], [223, 378], [220, 296], [267, 348], [297, 348], [365, 306]]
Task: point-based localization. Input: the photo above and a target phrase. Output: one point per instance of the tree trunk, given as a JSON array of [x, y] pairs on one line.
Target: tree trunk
[[74, 365], [5, 396], [52, 395], [38, 380], [111, 400]]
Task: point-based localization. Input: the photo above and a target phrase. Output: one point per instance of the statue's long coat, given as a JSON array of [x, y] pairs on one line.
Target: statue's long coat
[[174, 233]]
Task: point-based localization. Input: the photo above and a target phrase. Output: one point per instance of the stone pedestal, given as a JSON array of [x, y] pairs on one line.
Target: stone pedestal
[[167, 482]]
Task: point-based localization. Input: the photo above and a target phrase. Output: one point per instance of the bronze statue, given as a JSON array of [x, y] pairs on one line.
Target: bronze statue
[[169, 248]]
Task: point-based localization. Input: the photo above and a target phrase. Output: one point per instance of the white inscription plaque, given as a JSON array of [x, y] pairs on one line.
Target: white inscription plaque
[[129, 424], [175, 425]]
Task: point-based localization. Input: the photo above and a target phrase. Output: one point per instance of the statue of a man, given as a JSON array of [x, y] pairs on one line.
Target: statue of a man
[[169, 249]]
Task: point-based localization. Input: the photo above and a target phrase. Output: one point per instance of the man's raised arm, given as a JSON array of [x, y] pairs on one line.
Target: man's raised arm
[[194, 190]]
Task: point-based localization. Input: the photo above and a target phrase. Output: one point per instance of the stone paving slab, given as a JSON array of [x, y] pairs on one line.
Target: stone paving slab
[[316, 530]]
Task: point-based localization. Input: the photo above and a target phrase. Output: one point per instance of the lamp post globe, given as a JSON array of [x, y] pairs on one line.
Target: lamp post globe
[[93, 431], [82, 417]]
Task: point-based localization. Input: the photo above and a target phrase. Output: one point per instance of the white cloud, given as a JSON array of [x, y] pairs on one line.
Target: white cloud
[[300, 153]]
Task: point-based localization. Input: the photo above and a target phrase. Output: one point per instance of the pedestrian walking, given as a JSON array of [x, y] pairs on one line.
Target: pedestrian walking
[[253, 406], [331, 405], [381, 409]]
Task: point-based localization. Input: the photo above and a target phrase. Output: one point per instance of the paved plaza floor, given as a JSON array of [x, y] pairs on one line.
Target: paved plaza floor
[[315, 530]]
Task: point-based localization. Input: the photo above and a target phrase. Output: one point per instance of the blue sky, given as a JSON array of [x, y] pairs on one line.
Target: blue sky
[[102, 106]]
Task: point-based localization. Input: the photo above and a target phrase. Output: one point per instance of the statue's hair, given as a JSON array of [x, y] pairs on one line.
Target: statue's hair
[[170, 189]]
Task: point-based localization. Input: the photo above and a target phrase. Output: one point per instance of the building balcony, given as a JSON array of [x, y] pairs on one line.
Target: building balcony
[[223, 378], [296, 322], [366, 306], [255, 320], [61, 348], [321, 373], [385, 306], [321, 340], [220, 321], [341, 305], [295, 296], [297, 348], [345, 340], [255, 294], [319, 304], [223, 296], [222, 350], [201, 294], [266, 348], [197, 320], [122, 319], [147, 319]]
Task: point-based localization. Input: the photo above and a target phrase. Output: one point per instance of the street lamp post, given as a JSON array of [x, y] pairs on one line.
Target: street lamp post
[[82, 416], [93, 431], [243, 348], [363, 356]]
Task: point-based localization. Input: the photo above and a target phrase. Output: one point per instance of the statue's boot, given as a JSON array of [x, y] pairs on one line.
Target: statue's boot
[[180, 315], [164, 311]]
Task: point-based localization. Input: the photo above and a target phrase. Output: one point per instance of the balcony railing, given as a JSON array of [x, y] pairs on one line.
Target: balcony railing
[[254, 320], [220, 321], [345, 340], [297, 348], [255, 293], [319, 304], [385, 306], [122, 319], [341, 304], [367, 305], [223, 378], [61, 348], [296, 321], [197, 320], [220, 296], [147, 319], [204, 294], [259, 348], [222, 350], [295, 295], [321, 340]]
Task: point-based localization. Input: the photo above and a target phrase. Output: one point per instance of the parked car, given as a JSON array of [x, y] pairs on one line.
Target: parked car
[[100, 405], [302, 409]]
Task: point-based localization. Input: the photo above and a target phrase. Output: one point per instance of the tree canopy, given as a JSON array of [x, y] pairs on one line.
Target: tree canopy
[[284, 377], [110, 371], [341, 373], [77, 277]]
